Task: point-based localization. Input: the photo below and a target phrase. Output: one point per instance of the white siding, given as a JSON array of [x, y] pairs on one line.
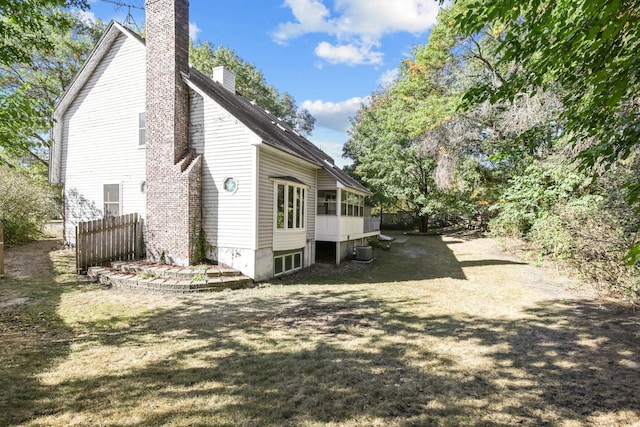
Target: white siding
[[273, 165], [225, 143], [326, 181], [100, 136]]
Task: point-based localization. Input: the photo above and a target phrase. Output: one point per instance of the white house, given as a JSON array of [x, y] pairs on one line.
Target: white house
[[140, 131]]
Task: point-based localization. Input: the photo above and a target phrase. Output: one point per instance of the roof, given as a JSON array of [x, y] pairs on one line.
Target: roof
[[272, 130]]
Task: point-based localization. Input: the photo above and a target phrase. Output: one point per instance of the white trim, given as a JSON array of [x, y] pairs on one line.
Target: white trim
[[296, 209], [291, 254], [255, 160]]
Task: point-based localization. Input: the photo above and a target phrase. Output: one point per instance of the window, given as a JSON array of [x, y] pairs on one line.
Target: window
[[111, 200], [287, 262], [290, 205], [142, 122], [327, 202], [230, 185], [351, 204]]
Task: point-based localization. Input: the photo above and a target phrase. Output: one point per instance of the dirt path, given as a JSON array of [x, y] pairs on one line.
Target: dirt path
[[24, 261], [32, 259]]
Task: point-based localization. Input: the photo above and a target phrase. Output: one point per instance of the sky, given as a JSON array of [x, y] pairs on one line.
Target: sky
[[330, 55]]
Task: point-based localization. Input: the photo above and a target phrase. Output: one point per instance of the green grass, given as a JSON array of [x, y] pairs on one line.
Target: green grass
[[438, 331]]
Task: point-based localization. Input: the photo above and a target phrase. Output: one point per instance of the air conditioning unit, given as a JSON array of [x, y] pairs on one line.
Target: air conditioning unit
[[364, 253]]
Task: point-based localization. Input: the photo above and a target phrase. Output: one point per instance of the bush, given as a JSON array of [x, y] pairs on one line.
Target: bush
[[551, 237], [565, 216], [26, 202], [600, 243], [532, 194]]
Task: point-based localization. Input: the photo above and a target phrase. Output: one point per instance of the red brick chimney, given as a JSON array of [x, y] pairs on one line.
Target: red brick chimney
[[172, 168]]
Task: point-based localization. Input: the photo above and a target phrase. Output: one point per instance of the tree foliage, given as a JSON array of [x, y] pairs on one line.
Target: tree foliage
[[31, 85], [513, 114], [26, 202], [251, 83], [587, 48], [25, 26], [387, 141]]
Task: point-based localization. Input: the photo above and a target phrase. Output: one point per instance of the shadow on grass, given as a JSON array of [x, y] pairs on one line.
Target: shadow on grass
[[326, 355], [34, 336], [342, 357], [411, 258]]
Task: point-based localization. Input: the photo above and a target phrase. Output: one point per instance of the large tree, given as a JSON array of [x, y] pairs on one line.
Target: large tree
[[400, 142], [590, 50], [35, 78], [25, 26], [252, 85]]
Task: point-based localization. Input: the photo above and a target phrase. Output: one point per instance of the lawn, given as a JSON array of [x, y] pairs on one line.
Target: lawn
[[440, 330]]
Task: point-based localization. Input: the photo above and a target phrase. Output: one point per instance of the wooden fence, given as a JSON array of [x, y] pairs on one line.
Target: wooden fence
[[110, 239]]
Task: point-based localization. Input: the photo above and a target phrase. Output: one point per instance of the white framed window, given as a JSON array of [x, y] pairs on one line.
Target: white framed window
[[327, 202], [352, 204], [287, 262], [112, 200], [142, 123], [290, 206]]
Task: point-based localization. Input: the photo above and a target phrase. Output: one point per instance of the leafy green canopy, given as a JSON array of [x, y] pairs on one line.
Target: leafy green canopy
[[587, 47], [35, 72], [399, 142], [25, 25], [251, 83]]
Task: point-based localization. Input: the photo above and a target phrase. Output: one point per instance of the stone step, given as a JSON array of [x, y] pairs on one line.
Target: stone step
[[142, 268], [129, 280]]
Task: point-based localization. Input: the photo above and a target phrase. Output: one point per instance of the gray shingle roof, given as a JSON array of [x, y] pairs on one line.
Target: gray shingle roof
[[269, 128]]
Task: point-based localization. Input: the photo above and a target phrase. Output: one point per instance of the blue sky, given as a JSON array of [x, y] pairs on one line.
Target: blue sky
[[328, 54]]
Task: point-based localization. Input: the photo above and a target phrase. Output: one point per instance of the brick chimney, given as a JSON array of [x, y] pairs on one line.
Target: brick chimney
[[173, 170]]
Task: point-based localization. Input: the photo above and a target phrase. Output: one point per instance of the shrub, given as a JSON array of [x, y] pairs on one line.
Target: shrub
[[551, 237], [585, 223], [600, 243], [26, 202]]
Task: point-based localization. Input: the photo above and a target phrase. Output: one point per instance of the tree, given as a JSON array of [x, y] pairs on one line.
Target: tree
[[589, 49], [251, 83], [31, 86], [25, 26], [395, 141]]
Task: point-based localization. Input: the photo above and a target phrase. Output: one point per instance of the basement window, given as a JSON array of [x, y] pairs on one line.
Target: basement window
[[287, 262]]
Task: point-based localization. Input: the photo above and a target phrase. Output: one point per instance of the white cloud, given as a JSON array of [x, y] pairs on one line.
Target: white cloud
[[357, 25], [388, 77], [311, 17], [86, 16], [334, 115], [348, 54], [194, 31]]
